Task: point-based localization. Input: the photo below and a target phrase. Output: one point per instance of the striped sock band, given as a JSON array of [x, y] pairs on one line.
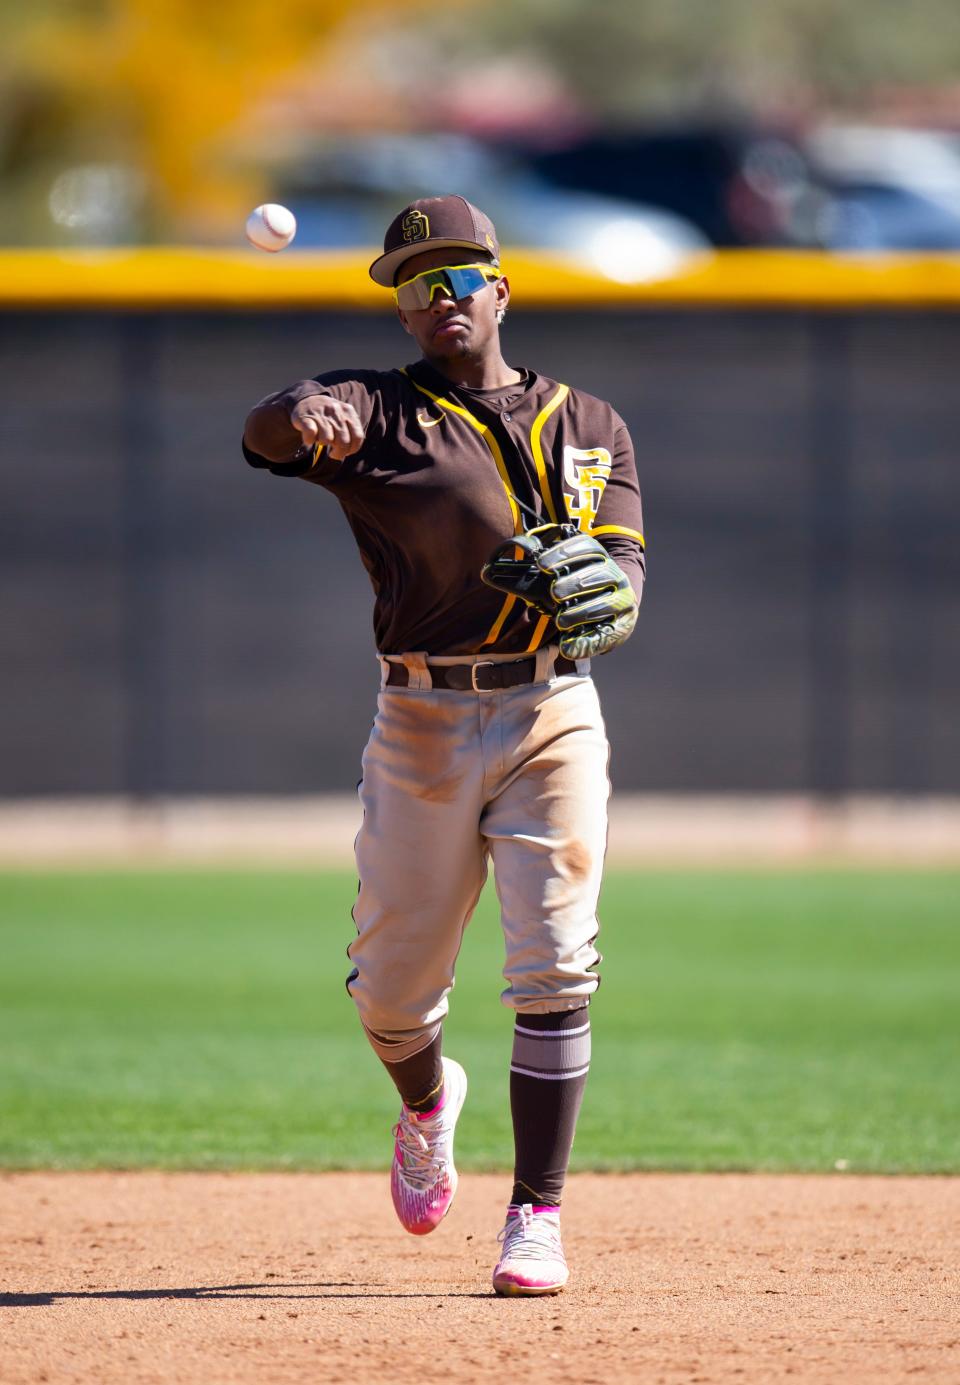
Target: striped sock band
[[554, 1055]]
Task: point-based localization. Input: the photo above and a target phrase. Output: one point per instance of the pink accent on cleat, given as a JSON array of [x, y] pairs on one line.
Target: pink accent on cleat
[[532, 1260], [423, 1179]]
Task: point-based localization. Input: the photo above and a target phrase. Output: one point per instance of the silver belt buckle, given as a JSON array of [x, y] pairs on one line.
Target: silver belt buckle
[[484, 663]]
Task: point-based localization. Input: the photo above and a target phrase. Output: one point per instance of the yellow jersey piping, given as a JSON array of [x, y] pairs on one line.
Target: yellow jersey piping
[[487, 436], [317, 454], [537, 449], [537, 635], [618, 529], [497, 625], [497, 455]]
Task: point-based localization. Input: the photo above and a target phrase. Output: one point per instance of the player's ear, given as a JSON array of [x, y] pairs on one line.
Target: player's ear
[[403, 321], [501, 293]]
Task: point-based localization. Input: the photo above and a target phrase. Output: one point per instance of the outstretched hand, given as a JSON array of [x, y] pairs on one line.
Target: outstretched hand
[[321, 418]]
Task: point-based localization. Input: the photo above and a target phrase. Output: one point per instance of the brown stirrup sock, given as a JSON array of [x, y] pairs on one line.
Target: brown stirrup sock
[[548, 1073], [419, 1078]]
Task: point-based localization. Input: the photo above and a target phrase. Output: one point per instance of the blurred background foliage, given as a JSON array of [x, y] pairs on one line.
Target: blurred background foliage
[[625, 60], [148, 94], [131, 121]]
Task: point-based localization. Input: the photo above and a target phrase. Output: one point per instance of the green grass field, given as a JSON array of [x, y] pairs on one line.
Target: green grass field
[[746, 1020]]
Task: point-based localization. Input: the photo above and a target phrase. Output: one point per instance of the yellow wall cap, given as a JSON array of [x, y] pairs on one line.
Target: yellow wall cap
[[160, 278]]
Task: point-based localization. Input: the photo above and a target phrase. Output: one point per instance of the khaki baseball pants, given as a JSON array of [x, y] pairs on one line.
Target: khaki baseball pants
[[450, 779]]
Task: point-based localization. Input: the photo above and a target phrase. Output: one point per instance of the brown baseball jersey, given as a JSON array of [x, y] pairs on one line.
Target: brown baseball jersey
[[435, 486]]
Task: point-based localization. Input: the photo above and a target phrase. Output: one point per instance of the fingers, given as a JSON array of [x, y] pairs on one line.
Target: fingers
[[345, 433], [587, 641], [580, 548], [588, 577], [307, 428], [606, 605], [348, 433], [584, 613], [600, 594], [331, 422]]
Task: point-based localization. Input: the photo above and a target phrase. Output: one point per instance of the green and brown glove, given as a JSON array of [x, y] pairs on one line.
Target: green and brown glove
[[572, 578]]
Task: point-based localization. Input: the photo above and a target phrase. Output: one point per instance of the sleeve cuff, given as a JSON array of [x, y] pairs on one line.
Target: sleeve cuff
[[300, 464]]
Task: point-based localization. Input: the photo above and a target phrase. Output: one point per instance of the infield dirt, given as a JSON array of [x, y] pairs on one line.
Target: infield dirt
[[189, 1278]]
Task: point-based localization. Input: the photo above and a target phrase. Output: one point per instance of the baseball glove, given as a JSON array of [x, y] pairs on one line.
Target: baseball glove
[[571, 577]]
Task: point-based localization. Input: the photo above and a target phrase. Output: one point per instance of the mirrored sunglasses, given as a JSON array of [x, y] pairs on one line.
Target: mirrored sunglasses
[[452, 281]]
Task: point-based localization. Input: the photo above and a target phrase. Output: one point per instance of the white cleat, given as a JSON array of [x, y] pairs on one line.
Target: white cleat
[[423, 1179], [532, 1260]]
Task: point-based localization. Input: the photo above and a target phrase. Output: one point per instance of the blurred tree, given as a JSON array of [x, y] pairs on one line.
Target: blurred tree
[[627, 59], [133, 99]]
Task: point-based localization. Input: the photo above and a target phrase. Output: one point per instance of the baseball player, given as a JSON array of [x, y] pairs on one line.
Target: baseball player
[[497, 513]]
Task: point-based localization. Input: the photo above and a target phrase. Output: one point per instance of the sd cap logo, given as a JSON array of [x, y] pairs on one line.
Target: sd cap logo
[[416, 226]]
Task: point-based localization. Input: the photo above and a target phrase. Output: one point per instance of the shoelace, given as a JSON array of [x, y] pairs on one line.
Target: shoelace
[[418, 1142], [531, 1236]]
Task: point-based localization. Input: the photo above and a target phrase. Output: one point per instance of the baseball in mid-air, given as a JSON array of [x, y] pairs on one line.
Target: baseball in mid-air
[[271, 227]]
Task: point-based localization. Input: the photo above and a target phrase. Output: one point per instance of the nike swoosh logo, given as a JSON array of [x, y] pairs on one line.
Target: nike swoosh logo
[[428, 422]]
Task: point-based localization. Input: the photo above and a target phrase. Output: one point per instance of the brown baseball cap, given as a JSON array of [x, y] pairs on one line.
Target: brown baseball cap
[[433, 223]]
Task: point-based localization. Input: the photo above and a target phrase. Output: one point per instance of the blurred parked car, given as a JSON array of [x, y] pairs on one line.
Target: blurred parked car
[[738, 186], [345, 192], [885, 188], [838, 188]]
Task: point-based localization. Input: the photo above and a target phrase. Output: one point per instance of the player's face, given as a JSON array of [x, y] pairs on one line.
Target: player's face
[[454, 328]]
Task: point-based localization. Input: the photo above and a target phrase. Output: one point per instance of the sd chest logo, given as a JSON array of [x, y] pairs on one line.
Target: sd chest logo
[[586, 471]]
